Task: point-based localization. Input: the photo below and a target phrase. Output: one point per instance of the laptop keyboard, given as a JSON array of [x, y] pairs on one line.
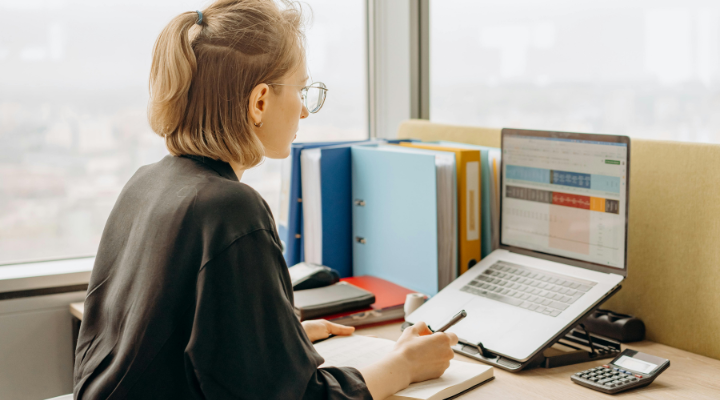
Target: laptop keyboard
[[533, 289]]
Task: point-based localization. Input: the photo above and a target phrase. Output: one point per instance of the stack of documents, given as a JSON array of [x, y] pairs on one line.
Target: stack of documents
[[490, 184], [468, 198], [327, 207], [290, 217], [388, 306], [412, 213], [335, 298], [315, 220]]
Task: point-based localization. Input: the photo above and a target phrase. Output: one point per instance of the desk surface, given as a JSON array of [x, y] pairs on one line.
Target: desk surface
[[77, 310], [690, 376]]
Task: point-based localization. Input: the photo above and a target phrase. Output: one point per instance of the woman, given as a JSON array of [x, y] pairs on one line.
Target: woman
[[190, 296]]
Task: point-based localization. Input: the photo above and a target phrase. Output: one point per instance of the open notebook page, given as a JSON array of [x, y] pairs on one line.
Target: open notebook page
[[359, 351]]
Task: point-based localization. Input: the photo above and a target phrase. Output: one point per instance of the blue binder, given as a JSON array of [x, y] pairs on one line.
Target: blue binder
[[336, 204], [290, 230], [395, 217], [336, 210]]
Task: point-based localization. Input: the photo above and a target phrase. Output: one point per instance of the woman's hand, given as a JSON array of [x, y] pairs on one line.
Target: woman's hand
[[317, 329], [427, 354], [419, 355]]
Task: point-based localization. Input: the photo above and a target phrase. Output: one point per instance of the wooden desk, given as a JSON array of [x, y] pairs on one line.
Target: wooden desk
[[690, 376], [76, 310]]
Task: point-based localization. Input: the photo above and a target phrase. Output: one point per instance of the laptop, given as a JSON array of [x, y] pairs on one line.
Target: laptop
[[563, 244]]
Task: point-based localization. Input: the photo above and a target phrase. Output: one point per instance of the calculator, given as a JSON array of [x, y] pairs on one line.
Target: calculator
[[631, 369]]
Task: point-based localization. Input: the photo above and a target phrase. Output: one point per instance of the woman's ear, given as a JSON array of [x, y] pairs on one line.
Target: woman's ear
[[258, 103]]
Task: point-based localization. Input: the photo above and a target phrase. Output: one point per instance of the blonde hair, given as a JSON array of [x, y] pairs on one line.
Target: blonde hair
[[202, 75]]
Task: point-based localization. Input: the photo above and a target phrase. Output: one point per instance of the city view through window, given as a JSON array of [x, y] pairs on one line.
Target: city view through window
[[73, 123], [643, 68], [73, 90]]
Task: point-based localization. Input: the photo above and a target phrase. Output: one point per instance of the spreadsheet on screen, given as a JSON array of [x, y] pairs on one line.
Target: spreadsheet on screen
[[565, 197]]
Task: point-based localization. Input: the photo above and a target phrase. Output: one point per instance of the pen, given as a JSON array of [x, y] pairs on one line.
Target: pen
[[462, 314]]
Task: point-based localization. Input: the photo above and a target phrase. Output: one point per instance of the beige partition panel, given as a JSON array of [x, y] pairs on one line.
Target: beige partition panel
[[429, 131], [673, 279]]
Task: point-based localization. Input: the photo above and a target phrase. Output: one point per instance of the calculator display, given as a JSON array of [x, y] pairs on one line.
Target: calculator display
[[635, 364]]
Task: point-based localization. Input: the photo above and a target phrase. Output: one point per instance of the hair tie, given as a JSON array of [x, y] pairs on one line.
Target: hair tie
[[199, 21]]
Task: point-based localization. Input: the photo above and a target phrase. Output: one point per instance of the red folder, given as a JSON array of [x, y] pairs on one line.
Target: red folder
[[388, 307]]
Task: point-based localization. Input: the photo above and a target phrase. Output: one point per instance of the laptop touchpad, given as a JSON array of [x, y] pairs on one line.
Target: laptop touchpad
[[488, 322]]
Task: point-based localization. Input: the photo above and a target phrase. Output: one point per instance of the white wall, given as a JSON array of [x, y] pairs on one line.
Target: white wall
[[36, 346]]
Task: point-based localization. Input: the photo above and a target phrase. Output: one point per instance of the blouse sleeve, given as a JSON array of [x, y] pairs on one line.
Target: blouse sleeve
[[246, 342]]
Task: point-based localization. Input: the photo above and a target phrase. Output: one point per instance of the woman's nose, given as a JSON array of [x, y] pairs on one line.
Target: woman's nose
[[304, 114]]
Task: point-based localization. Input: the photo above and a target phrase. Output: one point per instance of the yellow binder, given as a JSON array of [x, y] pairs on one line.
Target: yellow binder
[[469, 197]]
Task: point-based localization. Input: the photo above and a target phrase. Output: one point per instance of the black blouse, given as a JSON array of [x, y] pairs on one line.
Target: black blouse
[[190, 297]]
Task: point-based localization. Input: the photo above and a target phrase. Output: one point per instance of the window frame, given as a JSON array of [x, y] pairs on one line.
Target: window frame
[[398, 64]]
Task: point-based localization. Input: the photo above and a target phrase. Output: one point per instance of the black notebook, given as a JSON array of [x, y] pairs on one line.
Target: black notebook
[[333, 299]]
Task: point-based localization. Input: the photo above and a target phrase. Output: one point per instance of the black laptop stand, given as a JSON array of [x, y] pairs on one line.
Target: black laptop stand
[[576, 338]]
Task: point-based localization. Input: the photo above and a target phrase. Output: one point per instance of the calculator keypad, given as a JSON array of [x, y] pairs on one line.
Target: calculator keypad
[[609, 377]]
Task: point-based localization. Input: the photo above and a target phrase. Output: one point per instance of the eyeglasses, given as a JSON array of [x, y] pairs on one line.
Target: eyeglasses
[[313, 96]]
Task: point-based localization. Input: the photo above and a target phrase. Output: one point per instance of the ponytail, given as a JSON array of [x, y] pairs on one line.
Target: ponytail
[[173, 67], [202, 76]]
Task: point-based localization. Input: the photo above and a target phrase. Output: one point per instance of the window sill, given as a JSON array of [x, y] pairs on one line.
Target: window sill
[[41, 278]]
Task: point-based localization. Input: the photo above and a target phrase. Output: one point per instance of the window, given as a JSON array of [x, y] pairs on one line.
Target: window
[[643, 68], [73, 98], [336, 42]]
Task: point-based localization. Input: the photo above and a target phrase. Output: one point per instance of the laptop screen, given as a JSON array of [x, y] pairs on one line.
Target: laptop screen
[[565, 195]]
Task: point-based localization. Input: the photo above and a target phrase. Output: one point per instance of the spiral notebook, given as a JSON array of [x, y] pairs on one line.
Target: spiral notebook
[[359, 351]]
